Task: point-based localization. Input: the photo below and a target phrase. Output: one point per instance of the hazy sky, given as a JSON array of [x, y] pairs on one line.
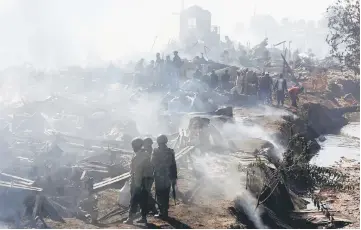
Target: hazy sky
[[61, 32]]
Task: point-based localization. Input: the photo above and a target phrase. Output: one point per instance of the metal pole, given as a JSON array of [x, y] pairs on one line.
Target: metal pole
[[289, 51]]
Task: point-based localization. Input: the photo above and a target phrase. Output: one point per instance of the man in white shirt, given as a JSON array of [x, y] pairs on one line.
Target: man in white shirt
[[280, 88]]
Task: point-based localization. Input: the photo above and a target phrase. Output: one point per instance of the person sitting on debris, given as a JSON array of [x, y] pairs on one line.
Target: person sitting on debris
[[165, 174], [148, 142], [213, 80], [265, 86], [225, 80], [139, 168], [280, 88], [293, 93]]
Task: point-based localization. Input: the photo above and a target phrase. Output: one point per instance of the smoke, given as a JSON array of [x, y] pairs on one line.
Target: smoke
[[222, 177], [248, 203], [62, 33], [223, 181], [249, 128]]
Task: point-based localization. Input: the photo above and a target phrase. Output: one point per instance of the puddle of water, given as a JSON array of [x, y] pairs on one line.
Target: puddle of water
[[346, 144]]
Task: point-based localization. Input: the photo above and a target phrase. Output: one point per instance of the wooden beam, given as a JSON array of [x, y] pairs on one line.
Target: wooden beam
[[19, 186], [289, 69], [125, 176], [20, 179]]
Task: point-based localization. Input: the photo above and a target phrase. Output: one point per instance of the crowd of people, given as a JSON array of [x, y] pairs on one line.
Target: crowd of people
[[158, 165], [162, 72], [170, 72]]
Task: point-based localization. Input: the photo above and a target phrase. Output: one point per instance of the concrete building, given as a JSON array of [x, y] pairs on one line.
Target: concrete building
[[195, 25]]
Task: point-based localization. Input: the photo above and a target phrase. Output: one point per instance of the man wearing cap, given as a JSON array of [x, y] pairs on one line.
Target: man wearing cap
[[139, 168], [165, 173]]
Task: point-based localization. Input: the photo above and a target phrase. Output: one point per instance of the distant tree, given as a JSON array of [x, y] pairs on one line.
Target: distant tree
[[344, 33]]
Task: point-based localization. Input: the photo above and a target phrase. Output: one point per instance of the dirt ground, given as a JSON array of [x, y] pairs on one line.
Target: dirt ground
[[346, 201], [209, 208]]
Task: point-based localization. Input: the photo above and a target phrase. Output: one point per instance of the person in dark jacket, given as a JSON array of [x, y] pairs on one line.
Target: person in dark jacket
[[197, 74], [140, 168], [213, 80], [265, 88], [280, 89], [158, 59], [165, 174], [177, 65], [177, 61], [225, 80], [148, 142]]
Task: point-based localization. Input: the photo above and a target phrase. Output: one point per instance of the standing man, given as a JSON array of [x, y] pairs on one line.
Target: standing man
[[225, 80], [214, 80], [248, 79], [265, 88], [159, 67], [177, 63], [148, 142], [139, 167], [280, 88], [158, 60], [165, 174], [169, 70]]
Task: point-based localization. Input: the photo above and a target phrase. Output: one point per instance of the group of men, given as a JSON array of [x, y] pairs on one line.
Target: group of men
[[163, 72], [266, 86], [168, 73], [150, 165]]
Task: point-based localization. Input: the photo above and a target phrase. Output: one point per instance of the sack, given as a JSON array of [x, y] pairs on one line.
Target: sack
[[124, 195]]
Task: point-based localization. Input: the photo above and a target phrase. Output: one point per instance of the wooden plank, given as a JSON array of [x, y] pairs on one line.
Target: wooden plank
[[83, 175], [290, 70], [30, 182], [310, 211], [319, 218], [104, 184], [19, 186]]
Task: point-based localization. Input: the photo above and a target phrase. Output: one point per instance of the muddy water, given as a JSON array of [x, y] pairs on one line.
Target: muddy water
[[346, 144]]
